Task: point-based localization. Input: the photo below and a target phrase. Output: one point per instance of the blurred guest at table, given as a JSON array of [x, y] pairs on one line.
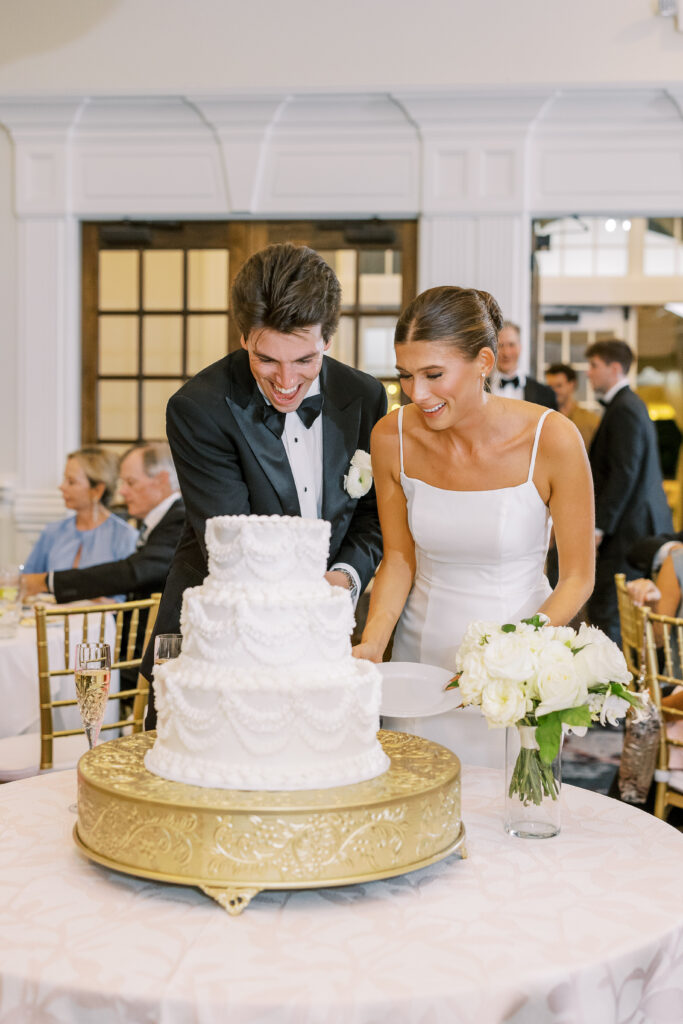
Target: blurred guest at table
[[93, 534], [562, 379], [149, 487], [648, 554], [629, 497]]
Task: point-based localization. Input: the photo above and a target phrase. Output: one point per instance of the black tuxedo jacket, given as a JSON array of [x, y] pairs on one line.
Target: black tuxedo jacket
[[629, 498], [642, 554], [539, 393], [141, 574], [230, 463]]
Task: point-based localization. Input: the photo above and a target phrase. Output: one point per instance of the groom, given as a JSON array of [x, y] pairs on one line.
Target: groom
[[271, 429]]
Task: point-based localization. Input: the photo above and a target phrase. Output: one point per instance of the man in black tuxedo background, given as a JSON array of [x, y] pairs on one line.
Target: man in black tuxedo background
[[508, 381], [271, 429], [630, 502]]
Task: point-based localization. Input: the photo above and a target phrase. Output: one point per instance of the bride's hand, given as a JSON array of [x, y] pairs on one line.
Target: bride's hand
[[368, 651]]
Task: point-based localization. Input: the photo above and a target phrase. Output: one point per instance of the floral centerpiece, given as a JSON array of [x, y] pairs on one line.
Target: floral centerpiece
[[545, 680]]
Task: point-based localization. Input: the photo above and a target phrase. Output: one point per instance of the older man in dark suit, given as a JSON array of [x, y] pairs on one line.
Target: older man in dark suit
[[271, 429], [629, 497], [508, 380]]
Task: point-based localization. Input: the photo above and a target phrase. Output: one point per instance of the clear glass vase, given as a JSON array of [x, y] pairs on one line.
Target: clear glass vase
[[532, 788]]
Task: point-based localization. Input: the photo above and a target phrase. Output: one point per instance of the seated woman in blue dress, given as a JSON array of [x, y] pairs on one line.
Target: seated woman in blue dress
[[93, 535]]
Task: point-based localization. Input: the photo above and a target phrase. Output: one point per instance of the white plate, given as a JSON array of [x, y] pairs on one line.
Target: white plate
[[410, 690]]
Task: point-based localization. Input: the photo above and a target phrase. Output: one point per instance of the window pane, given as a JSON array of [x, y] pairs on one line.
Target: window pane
[[118, 344], [343, 262], [578, 343], [117, 409], [207, 341], [379, 286], [162, 344], [581, 386], [118, 279], [207, 279], [155, 395], [552, 347], [612, 262], [659, 262], [578, 262], [548, 262], [162, 279], [376, 349], [342, 344]]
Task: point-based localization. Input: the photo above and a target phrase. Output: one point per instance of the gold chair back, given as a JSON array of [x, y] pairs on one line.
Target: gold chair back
[[91, 627], [665, 633], [632, 625]]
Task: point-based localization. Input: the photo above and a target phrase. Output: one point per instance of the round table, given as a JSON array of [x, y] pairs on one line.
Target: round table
[[19, 694], [585, 928]]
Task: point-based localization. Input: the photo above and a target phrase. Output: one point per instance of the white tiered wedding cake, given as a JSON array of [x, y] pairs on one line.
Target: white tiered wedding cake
[[266, 694]]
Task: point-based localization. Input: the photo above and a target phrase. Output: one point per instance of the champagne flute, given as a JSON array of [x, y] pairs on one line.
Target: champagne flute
[[166, 647], [92, 673]]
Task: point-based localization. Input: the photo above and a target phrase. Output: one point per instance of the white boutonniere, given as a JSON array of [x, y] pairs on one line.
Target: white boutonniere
[[358, 480]]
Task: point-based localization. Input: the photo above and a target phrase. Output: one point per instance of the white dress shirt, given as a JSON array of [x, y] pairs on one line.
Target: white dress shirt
[[304, 450], [508, 391]]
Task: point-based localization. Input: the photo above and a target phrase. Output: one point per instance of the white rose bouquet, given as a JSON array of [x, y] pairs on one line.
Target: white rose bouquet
[[545, 678]]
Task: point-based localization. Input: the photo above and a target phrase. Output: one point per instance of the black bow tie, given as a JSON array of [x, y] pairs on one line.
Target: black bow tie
[[308, 411], [509, 380]]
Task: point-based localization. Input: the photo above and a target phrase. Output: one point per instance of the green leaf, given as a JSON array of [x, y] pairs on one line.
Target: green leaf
[[508, 628], [576, 716], [536, 621], [619, 690], [548, 734], [454, 682]]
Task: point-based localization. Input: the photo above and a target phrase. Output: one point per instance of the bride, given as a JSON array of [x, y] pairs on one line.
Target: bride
[[467, 483]]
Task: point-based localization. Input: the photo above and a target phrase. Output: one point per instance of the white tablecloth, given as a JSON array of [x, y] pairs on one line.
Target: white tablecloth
[[19, 711], [585, 928]]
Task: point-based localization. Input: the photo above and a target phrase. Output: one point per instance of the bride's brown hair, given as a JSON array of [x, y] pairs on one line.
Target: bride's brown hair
[[467, 318]]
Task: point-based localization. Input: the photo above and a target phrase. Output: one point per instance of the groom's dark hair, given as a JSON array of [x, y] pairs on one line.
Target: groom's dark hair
[[286, 287]]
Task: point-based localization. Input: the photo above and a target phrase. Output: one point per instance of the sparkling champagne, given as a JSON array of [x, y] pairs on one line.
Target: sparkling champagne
[[92, 690]]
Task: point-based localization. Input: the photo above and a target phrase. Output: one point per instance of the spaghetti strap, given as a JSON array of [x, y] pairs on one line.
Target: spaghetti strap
[[400, 436], [537, 437]]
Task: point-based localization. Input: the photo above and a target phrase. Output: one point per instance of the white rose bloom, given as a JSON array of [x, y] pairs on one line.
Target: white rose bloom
[[472, 638], [557, 684], [613, 709], [565, 634], [354, 483], [508, 656], [599, 660], [474, 677], [503, 703], [361, 460]]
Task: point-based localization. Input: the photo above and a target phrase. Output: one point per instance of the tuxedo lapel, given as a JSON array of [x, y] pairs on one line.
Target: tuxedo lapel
[[341, 426], [246, 404]]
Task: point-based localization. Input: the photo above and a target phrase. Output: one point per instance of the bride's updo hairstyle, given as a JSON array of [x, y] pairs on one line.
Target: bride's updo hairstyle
[[467, 318]]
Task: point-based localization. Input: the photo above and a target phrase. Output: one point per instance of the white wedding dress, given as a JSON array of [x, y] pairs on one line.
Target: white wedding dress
[[480, 555]]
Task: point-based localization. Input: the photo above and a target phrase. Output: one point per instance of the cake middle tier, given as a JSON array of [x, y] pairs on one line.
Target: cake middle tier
[[271, 625]]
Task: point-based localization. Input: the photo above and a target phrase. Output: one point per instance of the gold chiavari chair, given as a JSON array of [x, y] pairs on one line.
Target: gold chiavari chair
[[632, 626], [664, 633], [118, 623]]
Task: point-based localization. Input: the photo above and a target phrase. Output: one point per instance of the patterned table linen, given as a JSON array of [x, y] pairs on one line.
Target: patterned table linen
[[585, 928]]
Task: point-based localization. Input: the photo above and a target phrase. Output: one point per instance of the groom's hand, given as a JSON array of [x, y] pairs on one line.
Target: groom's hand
[[338, 579]]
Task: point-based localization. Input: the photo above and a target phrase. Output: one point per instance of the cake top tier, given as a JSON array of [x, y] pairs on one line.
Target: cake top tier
[[267, 549]]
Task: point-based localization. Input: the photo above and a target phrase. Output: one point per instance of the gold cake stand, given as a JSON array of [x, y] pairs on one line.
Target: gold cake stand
[[233, 844]]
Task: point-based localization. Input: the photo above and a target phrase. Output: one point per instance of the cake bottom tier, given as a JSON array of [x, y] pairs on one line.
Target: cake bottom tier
[[283, 730]]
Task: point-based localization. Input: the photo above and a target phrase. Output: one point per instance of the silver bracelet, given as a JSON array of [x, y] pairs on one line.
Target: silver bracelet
[[353, 589]]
